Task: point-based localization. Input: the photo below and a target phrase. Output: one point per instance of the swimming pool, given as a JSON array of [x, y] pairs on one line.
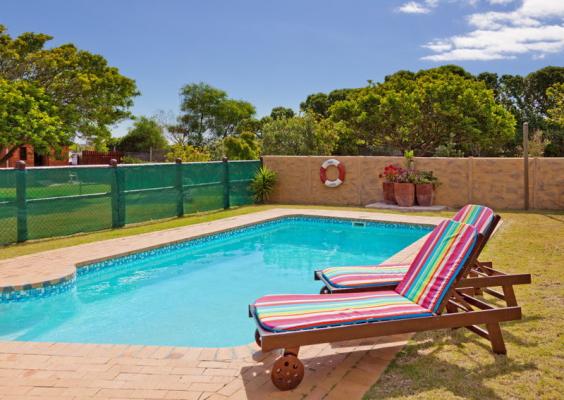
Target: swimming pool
[[196, 293]]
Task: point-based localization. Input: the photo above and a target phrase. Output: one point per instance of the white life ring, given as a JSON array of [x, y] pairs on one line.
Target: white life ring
[[323, 173]]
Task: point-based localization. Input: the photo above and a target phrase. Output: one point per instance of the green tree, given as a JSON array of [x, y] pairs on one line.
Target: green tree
[[555, 111], [208, 113], [282, 112], [230, 114], [242, 147], [555, 95], [425, 111], [145, 134], [299, 136], [28, 116], [527, 99], [319, 103], [88, 95], [187, 153], [200, 103]]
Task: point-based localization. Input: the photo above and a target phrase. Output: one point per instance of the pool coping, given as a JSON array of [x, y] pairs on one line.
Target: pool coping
[[29, 272]]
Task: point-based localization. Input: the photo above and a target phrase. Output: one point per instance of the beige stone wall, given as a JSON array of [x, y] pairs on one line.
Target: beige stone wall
[[496, 182]]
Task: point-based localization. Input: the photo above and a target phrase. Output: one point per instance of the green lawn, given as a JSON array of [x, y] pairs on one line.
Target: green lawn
[[454, 364]]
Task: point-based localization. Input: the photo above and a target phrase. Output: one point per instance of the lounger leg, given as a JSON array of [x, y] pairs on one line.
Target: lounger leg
[[477, 291], [287, 371], [509, 295], [496, 338]]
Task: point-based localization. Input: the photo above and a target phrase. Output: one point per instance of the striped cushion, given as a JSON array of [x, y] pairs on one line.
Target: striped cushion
[[371, 275], [437, 263], [479, 217], [277, 313]]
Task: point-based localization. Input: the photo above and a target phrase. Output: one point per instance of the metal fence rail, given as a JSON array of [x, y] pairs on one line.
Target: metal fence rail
[[39, 203]]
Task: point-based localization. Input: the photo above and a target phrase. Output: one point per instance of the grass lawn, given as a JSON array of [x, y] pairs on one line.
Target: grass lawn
[[453, 364]]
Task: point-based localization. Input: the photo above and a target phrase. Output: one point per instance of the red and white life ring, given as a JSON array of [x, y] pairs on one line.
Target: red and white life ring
[[323, 173]]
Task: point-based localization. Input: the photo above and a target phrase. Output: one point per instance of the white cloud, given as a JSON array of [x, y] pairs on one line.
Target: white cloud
[[414, 7], [536, 27], [426, 6], [502, 2], [418, 7]]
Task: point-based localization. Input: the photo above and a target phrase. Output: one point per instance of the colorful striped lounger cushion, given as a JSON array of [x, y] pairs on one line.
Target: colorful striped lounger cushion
[[437, 264], [291, 312], [364, 276], [420, 292], [479, 217]]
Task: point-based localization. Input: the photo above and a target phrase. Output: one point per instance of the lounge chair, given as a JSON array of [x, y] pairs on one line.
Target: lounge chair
[[416, 304], [387, 275]]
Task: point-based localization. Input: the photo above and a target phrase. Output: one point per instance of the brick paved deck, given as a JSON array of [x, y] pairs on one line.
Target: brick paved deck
[[31, 370]]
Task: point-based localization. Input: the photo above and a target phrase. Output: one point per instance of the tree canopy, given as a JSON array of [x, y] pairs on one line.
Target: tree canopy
[[282, 112], [527, 98], [28, 116], [208, 113], [242, 147], [422, 112], [87, 95], [443, 111], [144, 135], [299, 136]]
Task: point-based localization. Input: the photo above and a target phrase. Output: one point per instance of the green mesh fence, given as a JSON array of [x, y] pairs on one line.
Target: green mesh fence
[[8, 209], [240, 175], [63, 201], [46, 202], [203, 186], [150, 192]]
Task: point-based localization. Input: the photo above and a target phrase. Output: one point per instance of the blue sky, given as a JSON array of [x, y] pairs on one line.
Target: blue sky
[[276, 53]]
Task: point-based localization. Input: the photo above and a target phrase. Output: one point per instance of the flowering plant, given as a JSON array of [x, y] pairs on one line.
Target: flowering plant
[[391, 173], [406, 176]]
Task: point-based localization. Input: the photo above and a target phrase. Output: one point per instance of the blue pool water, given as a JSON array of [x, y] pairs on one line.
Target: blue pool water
[[197, 293]]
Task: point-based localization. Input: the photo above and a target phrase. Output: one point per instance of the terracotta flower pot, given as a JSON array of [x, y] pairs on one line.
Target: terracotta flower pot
[[404, 194], [424, 193], [388, 188]]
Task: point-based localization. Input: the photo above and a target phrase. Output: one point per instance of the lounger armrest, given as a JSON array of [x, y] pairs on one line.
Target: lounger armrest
[[495, 280], [317, 274]]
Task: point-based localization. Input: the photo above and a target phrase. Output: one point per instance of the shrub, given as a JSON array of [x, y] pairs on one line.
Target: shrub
[[263, 184]]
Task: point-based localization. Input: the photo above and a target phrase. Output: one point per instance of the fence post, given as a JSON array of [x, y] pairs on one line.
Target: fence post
[[526, 164], [179, 188], [118, 200], [21, 202], [226, 201]]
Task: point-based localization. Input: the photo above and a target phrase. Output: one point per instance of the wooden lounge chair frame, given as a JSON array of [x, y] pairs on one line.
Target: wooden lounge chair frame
[[462, 311], [481, 277]]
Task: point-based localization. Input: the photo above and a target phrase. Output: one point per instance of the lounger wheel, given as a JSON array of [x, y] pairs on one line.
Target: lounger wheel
[[257, 338], [287, 372], [324, 290]]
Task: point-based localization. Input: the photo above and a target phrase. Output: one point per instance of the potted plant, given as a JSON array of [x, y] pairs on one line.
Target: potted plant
[[389, 175], [425, 184], [404, 188]]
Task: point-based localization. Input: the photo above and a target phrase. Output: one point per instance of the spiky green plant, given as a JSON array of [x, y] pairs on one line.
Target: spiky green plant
[[263, 184]]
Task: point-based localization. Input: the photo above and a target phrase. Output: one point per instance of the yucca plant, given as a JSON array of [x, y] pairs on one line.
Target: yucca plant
[[263, 184]]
